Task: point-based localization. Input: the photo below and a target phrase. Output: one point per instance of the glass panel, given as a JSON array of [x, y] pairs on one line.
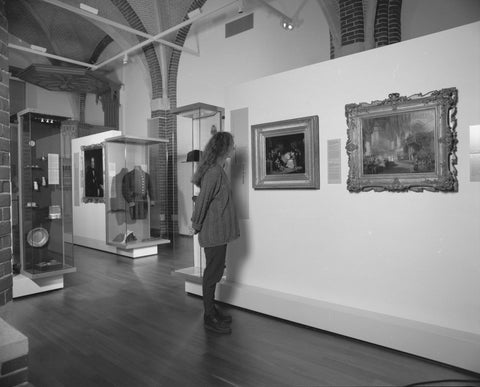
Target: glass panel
[[200, 121], [136, 192], [44, 204]]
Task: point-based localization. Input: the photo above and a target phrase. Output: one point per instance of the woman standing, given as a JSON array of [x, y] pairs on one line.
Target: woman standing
[[215, 220]]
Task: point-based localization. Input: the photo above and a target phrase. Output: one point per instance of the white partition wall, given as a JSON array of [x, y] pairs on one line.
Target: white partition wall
[[89, 228], [396, 269]]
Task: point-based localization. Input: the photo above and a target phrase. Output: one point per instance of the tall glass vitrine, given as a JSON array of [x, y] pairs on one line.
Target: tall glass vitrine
[[136, 194], [202, 121], [44, 196]]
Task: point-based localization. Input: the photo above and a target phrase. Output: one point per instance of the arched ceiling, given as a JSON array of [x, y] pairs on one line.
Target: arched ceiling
[[47, 24], [67, 31]]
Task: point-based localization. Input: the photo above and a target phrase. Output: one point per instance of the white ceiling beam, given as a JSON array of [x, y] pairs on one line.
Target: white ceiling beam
[[41, 53], [116, 25], [277, 11], [197, 17]]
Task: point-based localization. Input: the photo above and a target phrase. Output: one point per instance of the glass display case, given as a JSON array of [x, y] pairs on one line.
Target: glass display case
[[44, 196], [203, 120], [136, 193]]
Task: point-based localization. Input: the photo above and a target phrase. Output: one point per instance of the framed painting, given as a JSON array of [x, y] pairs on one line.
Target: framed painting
[[93, 173], [285, 154], [403, 143]]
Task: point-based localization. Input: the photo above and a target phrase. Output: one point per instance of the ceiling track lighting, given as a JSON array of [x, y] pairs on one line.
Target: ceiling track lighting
[[287, 24]]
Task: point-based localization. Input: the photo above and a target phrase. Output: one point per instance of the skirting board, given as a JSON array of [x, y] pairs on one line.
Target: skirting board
[[445, 345]]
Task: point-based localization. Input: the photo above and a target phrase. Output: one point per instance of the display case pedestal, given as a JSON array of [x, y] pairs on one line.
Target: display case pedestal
[[141, 249], [25, 286], [136, 196]]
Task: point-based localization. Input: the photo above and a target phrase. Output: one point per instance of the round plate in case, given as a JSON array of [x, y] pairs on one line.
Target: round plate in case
[[37, 237]]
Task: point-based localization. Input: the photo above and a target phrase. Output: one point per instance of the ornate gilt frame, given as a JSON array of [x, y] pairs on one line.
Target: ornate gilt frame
[[403, 143]]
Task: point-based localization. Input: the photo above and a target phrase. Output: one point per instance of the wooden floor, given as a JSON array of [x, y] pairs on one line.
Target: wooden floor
[[122, 322]]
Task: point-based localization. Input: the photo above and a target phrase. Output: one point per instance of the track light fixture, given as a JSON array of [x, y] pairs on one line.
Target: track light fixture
[[287, 24]]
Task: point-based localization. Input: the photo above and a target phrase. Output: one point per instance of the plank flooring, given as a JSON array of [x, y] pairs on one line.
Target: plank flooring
[[122, 322]]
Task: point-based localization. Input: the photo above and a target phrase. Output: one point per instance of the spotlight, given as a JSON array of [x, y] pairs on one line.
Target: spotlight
[[287, 24], [240, 6]]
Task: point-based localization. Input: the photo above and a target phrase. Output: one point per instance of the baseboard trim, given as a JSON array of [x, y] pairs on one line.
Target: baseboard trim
[[457, 348]]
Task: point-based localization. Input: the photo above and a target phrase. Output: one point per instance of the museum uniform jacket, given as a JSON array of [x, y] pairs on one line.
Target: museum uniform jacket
[[136, 187], [214, 213]]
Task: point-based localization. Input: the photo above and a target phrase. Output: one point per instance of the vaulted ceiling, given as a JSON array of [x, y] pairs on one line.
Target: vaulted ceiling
[[75, 33], [65, 29]]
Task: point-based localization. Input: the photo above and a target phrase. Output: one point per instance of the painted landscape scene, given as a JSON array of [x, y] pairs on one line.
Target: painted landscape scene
[[401, 143]]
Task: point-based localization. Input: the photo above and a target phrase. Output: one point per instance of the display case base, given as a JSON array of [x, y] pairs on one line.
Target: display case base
[[140, 249], [24, 286]]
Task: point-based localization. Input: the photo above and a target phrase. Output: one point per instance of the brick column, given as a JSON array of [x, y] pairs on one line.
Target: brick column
[[394, 27], [351, 21], [6, 278], [387, 22]]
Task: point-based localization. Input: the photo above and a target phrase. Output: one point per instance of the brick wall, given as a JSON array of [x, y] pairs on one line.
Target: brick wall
[[6, 277], [149, 50]]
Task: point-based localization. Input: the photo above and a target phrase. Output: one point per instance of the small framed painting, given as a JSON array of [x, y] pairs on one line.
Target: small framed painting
[[285, 154], [93, 173]]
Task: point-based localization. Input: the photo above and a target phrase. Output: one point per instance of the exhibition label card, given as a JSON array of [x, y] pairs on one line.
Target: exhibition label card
[[334, 161], [53, 169]]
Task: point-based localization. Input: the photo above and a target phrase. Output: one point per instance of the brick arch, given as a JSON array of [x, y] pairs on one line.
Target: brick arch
[[167, 127], [351, 21], [100, 48], [149, 50], [388, 22]]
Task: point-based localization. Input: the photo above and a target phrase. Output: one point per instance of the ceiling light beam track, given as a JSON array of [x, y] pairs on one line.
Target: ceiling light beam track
[[116, 25]]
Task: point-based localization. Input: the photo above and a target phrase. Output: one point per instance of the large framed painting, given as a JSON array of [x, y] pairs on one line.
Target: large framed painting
[[403, 143], [93, 173], [285, 154]]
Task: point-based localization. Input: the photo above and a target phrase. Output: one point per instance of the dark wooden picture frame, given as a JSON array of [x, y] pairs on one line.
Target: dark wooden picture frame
[[93, 174], [403, 143], [285, 154]]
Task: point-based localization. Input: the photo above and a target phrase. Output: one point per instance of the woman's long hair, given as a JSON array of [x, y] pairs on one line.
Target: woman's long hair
[[216, 148]]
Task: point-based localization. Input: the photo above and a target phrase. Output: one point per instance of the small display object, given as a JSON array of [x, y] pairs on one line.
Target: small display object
[[136, 195], [46, 247]]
